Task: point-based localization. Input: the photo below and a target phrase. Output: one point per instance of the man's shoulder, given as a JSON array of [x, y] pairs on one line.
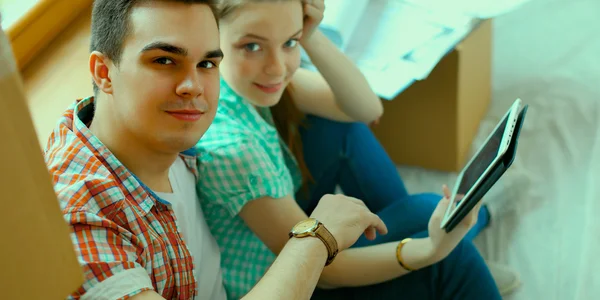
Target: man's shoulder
[[86, 187], [81, 178]]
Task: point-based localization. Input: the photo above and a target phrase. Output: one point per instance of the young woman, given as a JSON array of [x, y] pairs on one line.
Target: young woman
[[283, 137]]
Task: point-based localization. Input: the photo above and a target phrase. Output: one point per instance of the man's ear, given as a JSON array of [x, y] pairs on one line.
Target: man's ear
[[100, 66]]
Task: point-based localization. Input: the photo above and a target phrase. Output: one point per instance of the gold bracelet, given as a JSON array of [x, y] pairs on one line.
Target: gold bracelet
[[399, 255]]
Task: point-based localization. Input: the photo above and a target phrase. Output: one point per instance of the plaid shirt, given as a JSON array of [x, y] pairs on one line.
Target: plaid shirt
[[124, 235], [243, 158]]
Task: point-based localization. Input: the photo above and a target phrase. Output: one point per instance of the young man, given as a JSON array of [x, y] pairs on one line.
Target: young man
[[125, 176]]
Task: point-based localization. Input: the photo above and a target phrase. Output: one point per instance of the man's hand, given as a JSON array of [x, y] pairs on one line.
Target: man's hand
[[347, 218]]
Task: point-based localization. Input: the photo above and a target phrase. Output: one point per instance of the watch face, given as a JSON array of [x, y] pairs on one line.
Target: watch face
[[306, 226]]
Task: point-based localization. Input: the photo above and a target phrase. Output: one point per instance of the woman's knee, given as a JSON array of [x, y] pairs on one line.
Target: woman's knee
[[466, 272], [319, 130], [340, 127], [429, 197], [465, 254], [358, 128]]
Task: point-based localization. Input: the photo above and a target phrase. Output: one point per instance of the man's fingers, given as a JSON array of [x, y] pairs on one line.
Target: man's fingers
[[347, 198], [370, 233], [376, 222], [372, 220], [367, 218], [356, 201]]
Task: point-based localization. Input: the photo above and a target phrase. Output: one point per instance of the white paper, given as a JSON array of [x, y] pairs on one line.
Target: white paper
[[389, 30], [341, 18], [395, 42], [483, 9], [426, 57], [389, 81]]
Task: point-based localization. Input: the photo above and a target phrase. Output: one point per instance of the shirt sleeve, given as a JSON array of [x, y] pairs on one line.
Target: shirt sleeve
[[108, 257], [234, 174]]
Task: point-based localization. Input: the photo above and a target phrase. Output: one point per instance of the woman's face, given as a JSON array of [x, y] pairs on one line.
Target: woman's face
[[260, 43]]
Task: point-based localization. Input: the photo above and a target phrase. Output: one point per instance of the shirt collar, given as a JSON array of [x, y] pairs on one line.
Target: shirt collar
[[83, 114]]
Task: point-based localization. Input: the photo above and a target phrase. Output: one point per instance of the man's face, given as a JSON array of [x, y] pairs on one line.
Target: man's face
[[165, 90]]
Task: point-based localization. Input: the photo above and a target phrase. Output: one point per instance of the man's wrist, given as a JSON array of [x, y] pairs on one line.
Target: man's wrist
[[310, 246]]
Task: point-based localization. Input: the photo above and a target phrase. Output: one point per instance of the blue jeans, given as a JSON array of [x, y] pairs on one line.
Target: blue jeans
[[349, 155]]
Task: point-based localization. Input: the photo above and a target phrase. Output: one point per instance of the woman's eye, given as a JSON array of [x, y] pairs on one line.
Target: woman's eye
[[291, 43], [164, 61], [252, 47]]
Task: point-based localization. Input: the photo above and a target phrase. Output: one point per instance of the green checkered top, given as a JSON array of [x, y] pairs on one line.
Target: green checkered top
[[242, 158]]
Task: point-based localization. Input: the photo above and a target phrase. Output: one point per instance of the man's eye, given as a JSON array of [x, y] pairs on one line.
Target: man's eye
[[207, 64], [164, 61], [252, 47]]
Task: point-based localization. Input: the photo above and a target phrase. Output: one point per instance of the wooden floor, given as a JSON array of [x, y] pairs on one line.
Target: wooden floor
[[58, 76]]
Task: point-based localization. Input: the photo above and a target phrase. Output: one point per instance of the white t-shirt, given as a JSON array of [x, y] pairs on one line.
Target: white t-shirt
[[191, 223]]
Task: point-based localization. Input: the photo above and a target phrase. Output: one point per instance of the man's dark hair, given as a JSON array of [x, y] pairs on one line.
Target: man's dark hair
[[111, 24]]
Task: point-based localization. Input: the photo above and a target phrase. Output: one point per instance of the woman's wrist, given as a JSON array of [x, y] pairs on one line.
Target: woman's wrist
[[416, 254], [313, 40]]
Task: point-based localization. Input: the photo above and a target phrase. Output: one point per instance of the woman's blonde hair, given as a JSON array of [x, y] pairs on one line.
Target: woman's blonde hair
[[286, 115]]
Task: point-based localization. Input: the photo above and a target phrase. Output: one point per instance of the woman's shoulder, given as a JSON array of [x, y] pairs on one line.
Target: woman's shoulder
[[229, 99], [233, 110], [236, 122]]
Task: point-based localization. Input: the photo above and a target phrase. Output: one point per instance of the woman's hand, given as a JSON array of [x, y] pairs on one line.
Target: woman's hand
[[313, 15], [443, 243], [375, 123]]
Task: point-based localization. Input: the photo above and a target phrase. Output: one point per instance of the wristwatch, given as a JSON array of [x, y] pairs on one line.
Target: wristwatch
[[313, 228]]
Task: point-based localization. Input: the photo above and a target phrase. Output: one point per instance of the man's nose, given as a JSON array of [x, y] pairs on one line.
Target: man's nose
[[191, 86]]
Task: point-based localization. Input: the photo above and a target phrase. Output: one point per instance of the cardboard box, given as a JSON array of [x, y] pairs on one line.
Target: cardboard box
[[433, 122], [37, 259]]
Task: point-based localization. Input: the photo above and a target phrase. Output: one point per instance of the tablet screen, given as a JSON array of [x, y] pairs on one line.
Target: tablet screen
[[479, 164]]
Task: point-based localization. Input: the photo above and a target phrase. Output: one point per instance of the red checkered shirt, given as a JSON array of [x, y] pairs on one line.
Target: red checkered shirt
[[124, 235]]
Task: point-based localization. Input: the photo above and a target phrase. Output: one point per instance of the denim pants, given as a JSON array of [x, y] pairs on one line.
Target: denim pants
[[348, 155]]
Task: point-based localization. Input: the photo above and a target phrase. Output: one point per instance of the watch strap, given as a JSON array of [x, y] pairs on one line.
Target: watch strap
[[330, 242]]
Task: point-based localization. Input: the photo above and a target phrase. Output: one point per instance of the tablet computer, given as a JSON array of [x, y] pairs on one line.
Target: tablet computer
[[485, 168]]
